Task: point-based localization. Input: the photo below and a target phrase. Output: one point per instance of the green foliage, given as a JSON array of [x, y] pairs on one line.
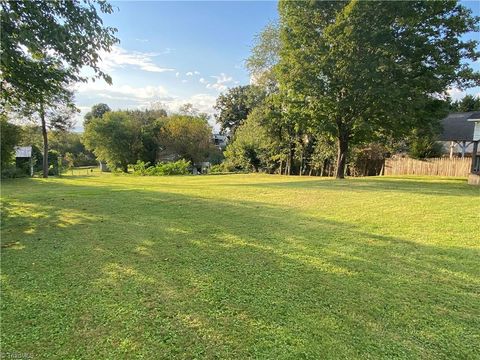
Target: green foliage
[[186, 137], [141, 168], [115, 138], [467, 103], [10, 135], [217, 169], [363, 70], [45, 45], [234, 106], [251, 147], [424, 147], [13, 172], [179, 167], [124, 137], [64, 142], [98, 110], [264, 56]]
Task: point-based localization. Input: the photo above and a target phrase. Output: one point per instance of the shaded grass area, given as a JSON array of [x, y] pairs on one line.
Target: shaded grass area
[[240, 266]]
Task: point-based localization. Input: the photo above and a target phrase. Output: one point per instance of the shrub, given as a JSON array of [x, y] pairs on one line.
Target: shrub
[[13, 172], [141, 168], [180, 167], [216, 169]]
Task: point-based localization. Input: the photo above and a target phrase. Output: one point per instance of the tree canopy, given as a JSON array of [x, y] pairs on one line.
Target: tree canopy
[[97, 111], [121, 138], [467, 103], [188, 137], [363, 70], [115, 138], [234, 106], [45, 44]]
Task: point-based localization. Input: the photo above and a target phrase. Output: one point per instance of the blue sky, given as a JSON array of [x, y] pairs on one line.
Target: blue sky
[[176, 52]]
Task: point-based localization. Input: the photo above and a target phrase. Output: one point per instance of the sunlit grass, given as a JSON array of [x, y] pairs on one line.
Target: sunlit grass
[[240, 266]]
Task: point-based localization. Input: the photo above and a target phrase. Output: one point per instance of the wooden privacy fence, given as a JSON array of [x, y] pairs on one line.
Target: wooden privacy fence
[[438, 166]]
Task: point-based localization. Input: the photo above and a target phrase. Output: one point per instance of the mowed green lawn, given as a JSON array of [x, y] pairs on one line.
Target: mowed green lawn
[[240, 266]]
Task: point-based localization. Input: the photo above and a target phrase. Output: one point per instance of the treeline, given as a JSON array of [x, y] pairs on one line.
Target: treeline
[[122, 138], [117, 138], [259, 145], [63, 144], [340, 84]]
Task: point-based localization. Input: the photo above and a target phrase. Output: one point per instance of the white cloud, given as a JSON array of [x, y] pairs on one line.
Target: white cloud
[[119, 58], [222, 82], [121, 92], [203, 81], [191, 73], [142, 40], [130, 97], [456, 94], [184, 81], [177, 74], [203, 102]]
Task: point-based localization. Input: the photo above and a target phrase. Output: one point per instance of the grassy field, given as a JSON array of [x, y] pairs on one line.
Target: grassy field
[[240, 266]]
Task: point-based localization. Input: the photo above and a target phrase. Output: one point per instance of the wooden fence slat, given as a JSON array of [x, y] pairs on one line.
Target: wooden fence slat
[[457, 167]]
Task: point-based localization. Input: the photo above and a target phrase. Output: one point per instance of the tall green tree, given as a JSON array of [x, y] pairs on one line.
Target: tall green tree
[[97, 111], [44, 47], [116, 138], [264, 57], [234, 106], [188, 137], [45, 44], [10, 136], [364, 70]]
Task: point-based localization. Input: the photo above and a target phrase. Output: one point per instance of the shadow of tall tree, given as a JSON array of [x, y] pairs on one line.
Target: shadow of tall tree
[[131, 272]]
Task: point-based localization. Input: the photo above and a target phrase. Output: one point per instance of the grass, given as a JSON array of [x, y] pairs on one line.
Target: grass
[[240, 266]]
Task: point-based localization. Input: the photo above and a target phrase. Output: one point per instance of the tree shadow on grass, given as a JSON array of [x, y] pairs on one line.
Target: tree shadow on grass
[[164, 275], [411, 185]]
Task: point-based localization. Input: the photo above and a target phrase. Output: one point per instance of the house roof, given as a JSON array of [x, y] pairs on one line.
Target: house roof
[[23, 151], [475, 116], [456, 127]]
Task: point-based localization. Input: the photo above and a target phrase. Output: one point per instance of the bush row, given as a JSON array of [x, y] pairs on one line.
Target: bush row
[[180, 167]]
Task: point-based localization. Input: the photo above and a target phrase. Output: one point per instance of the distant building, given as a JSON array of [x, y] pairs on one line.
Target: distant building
[[474, 177], [461, 135], [457, 133], [220, 140], [23, 158]]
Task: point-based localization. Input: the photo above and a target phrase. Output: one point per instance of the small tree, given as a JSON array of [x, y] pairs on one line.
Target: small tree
[[115, 139], [186, 136], [252, 148], [234, 106]]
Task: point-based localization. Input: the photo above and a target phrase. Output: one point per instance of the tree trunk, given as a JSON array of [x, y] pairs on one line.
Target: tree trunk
[[300, 172], [290, 159], [45, 141], [342, 154]]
